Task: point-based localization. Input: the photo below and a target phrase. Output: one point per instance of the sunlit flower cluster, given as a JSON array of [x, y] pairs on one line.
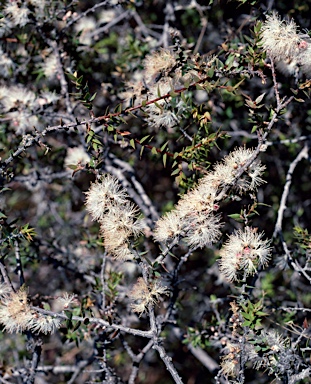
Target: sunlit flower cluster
[[194, 217], [225, 172], [243, 254], [286, 45], [109, 204], [17, 316], [144, 295]]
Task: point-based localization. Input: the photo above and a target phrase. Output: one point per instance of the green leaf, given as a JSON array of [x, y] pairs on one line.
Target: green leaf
[[71, 76], [164, 146], [77, 326], [235, 216], [141, 151], [164, 159], [175, 172], [5, 189], [261, 313], [259, 98], [132, 143], [79, 80], [210, 72], [144, 139], [230, 61], [251, 104]]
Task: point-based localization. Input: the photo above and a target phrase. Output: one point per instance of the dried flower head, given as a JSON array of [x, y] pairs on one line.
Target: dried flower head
[[17, 316], [230, 364], [243, 254], [6, 64], [86, 26], [201, 229], [15, 313], [229, 367], [168, 227], [159, 63], [17, 97], [50, 66], [117, 226], [19, 103], [144, 295]]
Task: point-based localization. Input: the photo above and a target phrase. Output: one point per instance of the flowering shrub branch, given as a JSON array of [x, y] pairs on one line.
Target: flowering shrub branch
[[154, 192]]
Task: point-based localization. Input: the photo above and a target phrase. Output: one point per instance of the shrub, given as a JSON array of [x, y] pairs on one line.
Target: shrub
[[154, 192]]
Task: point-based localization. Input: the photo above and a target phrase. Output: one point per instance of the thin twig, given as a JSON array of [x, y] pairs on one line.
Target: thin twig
[[303, 154], [30, 379], [19, 266], [102, 280], [98, 321], [62, 79], [83, 14], [5, 275], [168, 363]]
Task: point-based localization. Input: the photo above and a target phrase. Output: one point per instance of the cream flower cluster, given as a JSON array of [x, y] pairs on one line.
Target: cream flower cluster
[[244, 252], [109, 204], [194, 219], [21, 106], [160, 77], [17, 316], [286, 45]]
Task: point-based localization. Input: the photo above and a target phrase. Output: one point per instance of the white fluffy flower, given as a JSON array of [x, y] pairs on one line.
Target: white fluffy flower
[[18, 15], [103, 195], [243, 253], [109, 203], [289, 48]]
